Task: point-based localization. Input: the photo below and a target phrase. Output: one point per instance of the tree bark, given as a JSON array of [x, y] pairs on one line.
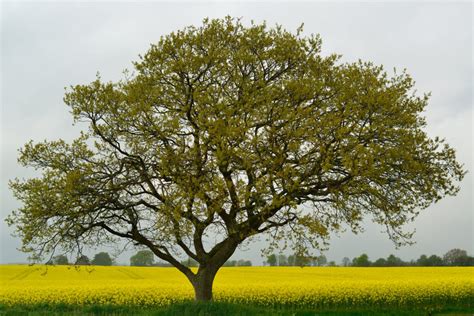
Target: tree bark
[[202, 283]]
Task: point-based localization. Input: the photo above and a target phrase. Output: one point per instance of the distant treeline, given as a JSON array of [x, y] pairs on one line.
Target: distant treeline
[[454, 257], [229, 263], [100, 259], [145, 258]]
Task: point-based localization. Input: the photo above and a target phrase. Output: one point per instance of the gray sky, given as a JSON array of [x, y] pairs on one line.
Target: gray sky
[[46, 46]]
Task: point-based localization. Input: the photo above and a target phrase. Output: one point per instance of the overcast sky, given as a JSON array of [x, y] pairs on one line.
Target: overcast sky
[[46, 46]]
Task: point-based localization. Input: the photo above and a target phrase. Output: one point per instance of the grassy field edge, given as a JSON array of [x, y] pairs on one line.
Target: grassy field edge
[[219, 308]]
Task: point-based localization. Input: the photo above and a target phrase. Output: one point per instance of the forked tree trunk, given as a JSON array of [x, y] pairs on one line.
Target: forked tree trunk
[[204, 278], [202, 283]]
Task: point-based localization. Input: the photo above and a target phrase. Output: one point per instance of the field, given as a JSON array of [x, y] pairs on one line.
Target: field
[[308, 288]]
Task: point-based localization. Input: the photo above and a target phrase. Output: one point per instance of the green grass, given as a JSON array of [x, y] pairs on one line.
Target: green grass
[[215, 309]]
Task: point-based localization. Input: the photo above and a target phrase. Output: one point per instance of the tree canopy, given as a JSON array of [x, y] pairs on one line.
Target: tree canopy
[[231, 131]]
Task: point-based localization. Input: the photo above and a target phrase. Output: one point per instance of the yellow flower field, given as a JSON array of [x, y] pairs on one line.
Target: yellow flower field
[[269, 286]]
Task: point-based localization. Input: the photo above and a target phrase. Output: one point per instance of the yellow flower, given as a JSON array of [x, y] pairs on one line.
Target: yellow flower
[[267, 286]]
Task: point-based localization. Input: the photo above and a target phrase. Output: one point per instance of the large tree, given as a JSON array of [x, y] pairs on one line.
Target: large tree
[[226, 131]]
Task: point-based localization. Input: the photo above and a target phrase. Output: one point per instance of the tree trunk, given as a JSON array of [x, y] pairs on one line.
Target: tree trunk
[[202, 284], [204, 278]]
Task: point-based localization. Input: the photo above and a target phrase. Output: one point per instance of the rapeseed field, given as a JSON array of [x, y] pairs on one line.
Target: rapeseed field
[[309, 287]]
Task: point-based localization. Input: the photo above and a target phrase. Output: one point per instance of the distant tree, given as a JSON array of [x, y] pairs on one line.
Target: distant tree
[[291, 260], [467, 261], [244, 263], [230, 263], [102, 259], [381, 262], [272, 260], [435, 261], [238, 263], [60, 260], [301, 260], [393, 261], [321, 260], [346, 262], [456, 257], [190, 262], [361, 261], [144, 258], [282, 260], [83, 260], [422, 261], [331, 263]]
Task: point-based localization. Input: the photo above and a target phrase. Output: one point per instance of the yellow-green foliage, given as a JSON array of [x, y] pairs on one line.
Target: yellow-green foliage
[[305, 287]]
